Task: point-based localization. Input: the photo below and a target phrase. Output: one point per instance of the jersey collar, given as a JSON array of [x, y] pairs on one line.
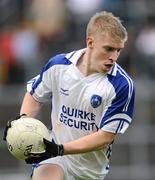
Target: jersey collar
[[75, 55], [113, 70]]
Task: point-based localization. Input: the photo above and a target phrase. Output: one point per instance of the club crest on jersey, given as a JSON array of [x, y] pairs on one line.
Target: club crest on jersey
[[95, 101]]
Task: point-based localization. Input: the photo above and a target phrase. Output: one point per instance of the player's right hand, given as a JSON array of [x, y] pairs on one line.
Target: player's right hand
[[52, 150], [8, 125]]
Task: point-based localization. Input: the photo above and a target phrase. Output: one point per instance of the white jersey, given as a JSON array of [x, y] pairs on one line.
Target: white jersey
[[82, 105]]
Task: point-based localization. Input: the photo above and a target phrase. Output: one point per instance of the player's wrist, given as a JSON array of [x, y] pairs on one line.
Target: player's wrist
[[60, 150]]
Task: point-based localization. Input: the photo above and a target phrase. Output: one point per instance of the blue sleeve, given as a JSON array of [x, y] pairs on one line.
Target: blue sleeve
[[118, 114]]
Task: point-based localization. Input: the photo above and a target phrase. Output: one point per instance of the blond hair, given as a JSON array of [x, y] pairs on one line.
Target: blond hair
[[106, 22]]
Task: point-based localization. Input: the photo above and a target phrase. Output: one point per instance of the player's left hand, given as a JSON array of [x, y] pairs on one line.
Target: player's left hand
[[52, 150], [8, 125]]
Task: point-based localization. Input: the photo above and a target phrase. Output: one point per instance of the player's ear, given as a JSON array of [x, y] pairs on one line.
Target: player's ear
[[90, 42]]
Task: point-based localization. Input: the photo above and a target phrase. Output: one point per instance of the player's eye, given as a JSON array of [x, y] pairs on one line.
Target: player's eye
[[112, 49], [119, 50], [109, 49]]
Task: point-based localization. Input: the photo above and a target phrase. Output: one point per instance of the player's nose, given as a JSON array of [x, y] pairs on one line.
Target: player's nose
[[114, 56]]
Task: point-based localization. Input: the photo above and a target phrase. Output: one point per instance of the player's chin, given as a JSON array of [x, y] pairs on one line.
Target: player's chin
[[106, 69]]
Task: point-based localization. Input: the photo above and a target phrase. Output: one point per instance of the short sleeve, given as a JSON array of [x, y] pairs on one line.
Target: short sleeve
[[40, 87], [117, 116]]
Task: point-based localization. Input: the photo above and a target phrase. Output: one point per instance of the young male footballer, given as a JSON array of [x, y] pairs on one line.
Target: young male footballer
[[92, 101]]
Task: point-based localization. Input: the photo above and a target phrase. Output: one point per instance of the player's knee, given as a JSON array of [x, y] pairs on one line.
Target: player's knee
[[48, 172]]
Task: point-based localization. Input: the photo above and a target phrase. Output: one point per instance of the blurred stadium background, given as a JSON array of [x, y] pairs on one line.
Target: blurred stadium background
[[31, 31]]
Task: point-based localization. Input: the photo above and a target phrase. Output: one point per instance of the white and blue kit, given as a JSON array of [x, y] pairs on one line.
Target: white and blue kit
[[82, 105]]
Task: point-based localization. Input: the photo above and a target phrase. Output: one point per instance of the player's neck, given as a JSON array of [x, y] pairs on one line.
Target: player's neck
[[84, 65]]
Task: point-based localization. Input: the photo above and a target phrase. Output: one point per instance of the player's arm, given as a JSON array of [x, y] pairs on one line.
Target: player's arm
[[30, 106], [96, 141], [93, 142]]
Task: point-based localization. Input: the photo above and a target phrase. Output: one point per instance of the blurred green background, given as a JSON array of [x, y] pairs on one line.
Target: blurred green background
[[32, 31]]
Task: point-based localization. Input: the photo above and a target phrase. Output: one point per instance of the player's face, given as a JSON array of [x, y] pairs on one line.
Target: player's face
[[103, 52]]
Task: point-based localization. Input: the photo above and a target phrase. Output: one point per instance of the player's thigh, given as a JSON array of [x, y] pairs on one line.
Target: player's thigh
[[48, 172]]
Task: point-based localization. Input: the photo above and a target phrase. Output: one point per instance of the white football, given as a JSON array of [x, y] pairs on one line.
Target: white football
[[26, 136]]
